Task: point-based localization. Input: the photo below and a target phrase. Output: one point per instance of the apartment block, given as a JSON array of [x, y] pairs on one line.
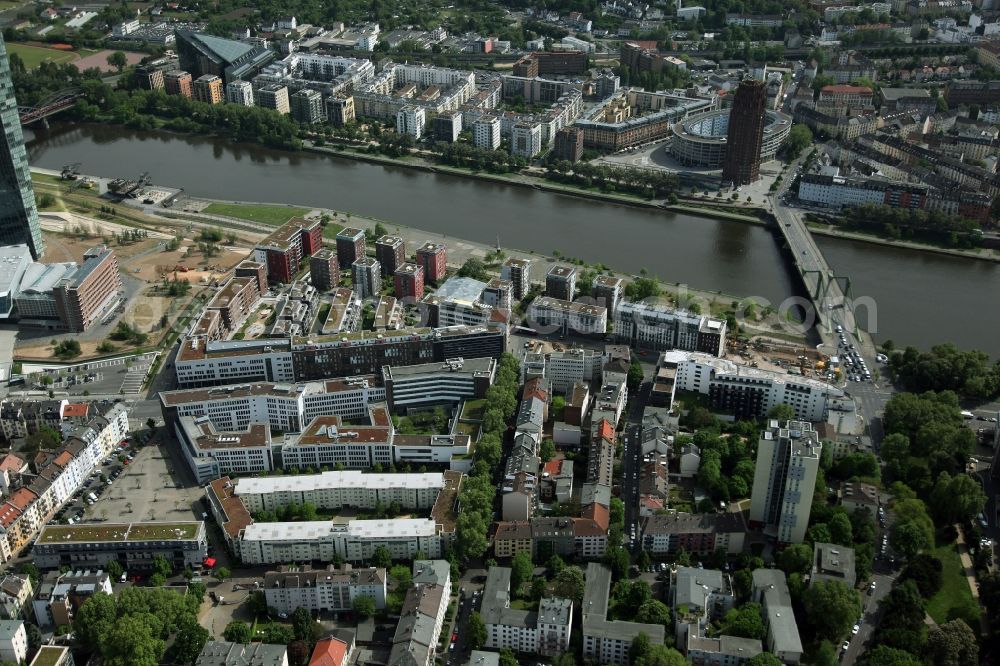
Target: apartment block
[[178, 82], [336, 490], [608, 641], [85, 294], [499, 294], [324, 270], [208, 89], [408, 280], [788, 457], [275, 97], [660, 327], [306, 106], [433, 257], [253, 269], [323, 590], [560, 282], [607, 291], [486, 133], [411, 120], [526, 140], [770, 590], [569, 144], [448, 126], [284, 249], [553, 314], [240, 93], [340, 110], [13, 641], [60, 595], [701, 533], [563, 369], [391, 254], [545, 632], [350, 246], [422, 617], [149, 78], [133, 545], [16, 593], [367, 275], [518, 273]]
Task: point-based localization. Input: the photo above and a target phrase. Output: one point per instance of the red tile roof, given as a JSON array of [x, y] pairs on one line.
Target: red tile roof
[[605, 430], [22, 498], [329, 652], [8, 514], [76, 409], [553, 467], [11, 463]]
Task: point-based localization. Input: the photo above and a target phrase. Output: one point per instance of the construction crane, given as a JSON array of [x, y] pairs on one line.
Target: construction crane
[[70, 171]]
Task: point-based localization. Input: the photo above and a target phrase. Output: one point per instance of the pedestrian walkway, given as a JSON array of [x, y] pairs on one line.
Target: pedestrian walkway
[[970, 576]]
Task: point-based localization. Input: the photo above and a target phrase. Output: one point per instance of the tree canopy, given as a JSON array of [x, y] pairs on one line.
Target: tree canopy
[[947, 368], [832, 608]]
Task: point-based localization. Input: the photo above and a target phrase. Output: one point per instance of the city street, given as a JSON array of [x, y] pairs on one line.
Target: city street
[[872, 615]]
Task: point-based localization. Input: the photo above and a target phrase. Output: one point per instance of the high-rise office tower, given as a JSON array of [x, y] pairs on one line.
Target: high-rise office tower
[[784, 479], [18, 214], [746, 133]]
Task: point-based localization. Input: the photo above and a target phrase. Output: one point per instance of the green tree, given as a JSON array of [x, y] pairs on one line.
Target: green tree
[[470, 535], [831, 607], [661, 655], [114, 569], [639, 648], [883, 655], [799, 138], [303, 625], [476, 631], [132, 641], [547, 450], [653, 611], [745, 621], [474, 268], [764, 659], [796, 558], [190, 641], [277, 634], [781, 412], [956, 498], [381, 557], [162, 566], [841, 531], [617, 560], [952, 644], [222, 573], [507, 658], [402, 575], [825, 655], [521, 570], [237, 632], [925, 571], [118, 60], [363, 607], [569, 584]]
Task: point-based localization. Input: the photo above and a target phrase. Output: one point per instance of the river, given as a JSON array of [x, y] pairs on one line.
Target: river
[[708, 254]]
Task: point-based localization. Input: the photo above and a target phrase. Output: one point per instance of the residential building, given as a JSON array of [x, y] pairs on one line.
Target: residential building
[[340, 110], [788, 457], [50, 655], [545, 632], [275, 97], [833, 562], [330, 590], [842, 98], [770, 590], [178, 82], [253, 269], [350, 246], [208, 89], [569, 144], [433, 257], [133, 545], [486, 133], [355, 541], [391, 254], [553, 314], [306, 106], [423, 615], [701, 533], [388, 314], [920, 100], [526, 140], [420, 387], [367, 275], [149, 78], [519, 496], [222, 653], [411, 120], [698, 597], [660, 327], [240, 93], [607, 292], [60, 595], [518, 273], [447, 126], [337, 490], [499, 294], [333, 651], [409, 282], [858, 495], [324, 269], [746, 133], [744, 391], [560, 282], [608, 641], [13, 641], [16, 593], [284, 249]]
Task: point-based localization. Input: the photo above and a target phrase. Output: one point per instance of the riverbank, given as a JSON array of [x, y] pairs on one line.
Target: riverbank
[[981, 254]]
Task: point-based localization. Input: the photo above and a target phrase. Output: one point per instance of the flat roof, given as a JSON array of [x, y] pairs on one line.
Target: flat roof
[[262, 485], [109, 532], [362, 529], [549, 303], [465, 366]]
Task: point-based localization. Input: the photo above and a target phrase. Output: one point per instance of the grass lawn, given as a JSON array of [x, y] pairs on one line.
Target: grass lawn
[[473, 409], [954, 599], [273, 215], [33, 56]]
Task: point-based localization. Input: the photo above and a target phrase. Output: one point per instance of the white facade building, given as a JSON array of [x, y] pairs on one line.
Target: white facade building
[[411, 120], [545, 633], [240, 92], [526, 140], [211, 453], [486, 133], [555, 314], [335, 490], [13, 641], [323, 590]]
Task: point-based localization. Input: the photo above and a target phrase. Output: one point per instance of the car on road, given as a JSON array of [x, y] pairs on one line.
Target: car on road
[[845, 646], [871, 587], [855, 629]]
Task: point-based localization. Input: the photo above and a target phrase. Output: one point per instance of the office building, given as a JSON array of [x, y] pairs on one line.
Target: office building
[[560, 282], [228, 59], [284, 249], [178, 82], [222, 653], [459, 302], [608, 641], [607, 291], [409, 282], [569, 144], [544, 632], [447, 126], [212, 452], [340, 110], [486, 133], [208, 89], [788, 457], [14, 263], [745, 134], [329, 590], [518, 273], [18, 212], [133, 545], [367, 278], [653, 326], [350, 246], [563, 369], [423, 386], [833, 562], [526, 139], [240, 93], [770, 590], [553, 314], [324, 269], [275, 97], [433, 257], [306, 106], [411, 120], [391, 254]]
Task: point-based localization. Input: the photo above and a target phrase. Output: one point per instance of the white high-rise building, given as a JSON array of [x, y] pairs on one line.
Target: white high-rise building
[[784, 480], [240, 92], [526, 139], [486, 133], [410, 120]]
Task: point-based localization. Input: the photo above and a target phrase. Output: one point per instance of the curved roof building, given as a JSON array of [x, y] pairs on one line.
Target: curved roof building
[[701, 140]]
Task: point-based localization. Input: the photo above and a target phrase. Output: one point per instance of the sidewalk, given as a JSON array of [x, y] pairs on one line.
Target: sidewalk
[[970, 576]]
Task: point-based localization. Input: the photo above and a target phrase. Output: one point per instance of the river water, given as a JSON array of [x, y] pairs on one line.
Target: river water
[[708, 254]]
